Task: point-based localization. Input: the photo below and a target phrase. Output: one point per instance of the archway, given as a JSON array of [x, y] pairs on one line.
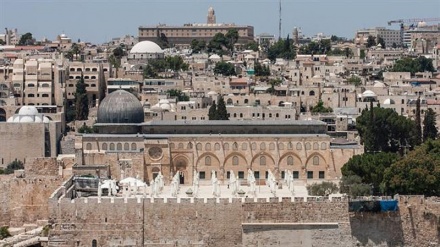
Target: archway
[[2, 115]]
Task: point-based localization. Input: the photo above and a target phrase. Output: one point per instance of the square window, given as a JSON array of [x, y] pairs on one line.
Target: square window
[[283, 174], [321, 174], [202, 175], [295, 174], [257, 175], [228, 174], [241, 175], [310, 174], [267, 175]]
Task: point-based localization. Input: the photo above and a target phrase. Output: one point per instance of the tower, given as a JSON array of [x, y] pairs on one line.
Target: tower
[[279, 24], [211, 16]]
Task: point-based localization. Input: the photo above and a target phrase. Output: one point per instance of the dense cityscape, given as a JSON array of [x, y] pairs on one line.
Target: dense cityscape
[[207, 134]]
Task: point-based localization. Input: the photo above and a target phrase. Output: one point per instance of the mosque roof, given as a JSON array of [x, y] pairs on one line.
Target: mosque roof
[[146, 47], [120, 107]]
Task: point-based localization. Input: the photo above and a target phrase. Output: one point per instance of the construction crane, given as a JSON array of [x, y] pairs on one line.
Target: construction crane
[[414, 20]]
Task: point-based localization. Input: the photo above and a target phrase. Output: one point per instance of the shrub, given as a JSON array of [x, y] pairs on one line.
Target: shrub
[[322, 189]]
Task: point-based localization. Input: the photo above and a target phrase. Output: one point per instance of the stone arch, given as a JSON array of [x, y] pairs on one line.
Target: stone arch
[[2, 115], [255, 162], [215, 164], [180, 163], [231, 155], [295, 157], [322, 161]]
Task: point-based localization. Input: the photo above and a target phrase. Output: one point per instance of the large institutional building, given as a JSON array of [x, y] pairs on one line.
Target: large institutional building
[[183, 35]]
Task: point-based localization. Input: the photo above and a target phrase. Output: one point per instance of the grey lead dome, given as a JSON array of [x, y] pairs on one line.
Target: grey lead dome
[[120, 107]]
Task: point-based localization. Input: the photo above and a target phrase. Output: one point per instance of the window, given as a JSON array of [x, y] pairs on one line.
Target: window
[[271, 146], [207, 161], [281, 146], [112, 146], [262, 146], [119, 146], [244, 146], [217, 146], [310, 174], [283, 174], [126, 146], [295, 174], [315, 160], [189, 146], [94, 243], [235, 146], [104, 146], [226, 146], [199, 146], [133, 146], [315, 146], [289, 146], [257, 174], [323, 146], [321, 175], [308, 146], [235, 161], [262, 161], [241, 175], [289, 160], [202, 175], [208, 146], [180, 146], [89, 146], [228, 174], [254, 146]]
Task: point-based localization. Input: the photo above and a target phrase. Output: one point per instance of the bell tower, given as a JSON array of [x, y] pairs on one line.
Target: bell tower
[[211, 16]]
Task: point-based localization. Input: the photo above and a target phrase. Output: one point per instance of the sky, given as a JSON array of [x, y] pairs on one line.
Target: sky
[[99, 21]]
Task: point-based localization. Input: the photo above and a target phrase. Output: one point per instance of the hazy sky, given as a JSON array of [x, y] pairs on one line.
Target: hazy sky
[[100, 20]]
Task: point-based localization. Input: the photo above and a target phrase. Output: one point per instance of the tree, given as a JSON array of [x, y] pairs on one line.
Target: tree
[[178, 94], [381, 41], [212, 114], [87, 129], [198, 46], [14, 165], [407, 64], [429, 125], [218, 44], [162, 41], [371, 41], [149, 72], [320, 108], [81, 100], [252, 46], [282, 49], [353, 186], [4, 232], [273, 83], [354, 80], [261, 70], [320, 47], [26, 39], [362, 54], [322, 189], [418, 173], [384, 130], [115, 62], [222, 113], [370, 167], [232, 37], [418, 125], [225, 69]]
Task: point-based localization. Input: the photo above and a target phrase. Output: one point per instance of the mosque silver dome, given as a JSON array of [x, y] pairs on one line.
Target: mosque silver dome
[[120, 107]]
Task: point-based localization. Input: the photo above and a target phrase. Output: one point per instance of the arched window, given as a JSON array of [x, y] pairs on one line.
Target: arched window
[[126, 146], [104, 146], [207, 161], [208, 146], [308, 146], [217, 146], [226, 146], [235, 146], [289, 145], [246, 101], [229, 102], [323, 146], [271, 146], [180, 146], [262, 146], [119, 146], [254, 146], [199, 146], [88, 146], [315, 146], [244, 146], [133, 146], [112, 146], [312, 93], [315, 160], [235, 161], [94, 243], [289, 160], [298, 146], [189, 146], [281, 146], [262, 160], [172, 145]]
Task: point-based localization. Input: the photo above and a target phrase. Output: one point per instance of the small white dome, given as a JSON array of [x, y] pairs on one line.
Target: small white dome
[[146, 47], [389, 102], [164, 101], [26, 119], [28, 110], [369, 93], [214, 57], [379, 84], [213, 93], [166, 107], [46, 120]]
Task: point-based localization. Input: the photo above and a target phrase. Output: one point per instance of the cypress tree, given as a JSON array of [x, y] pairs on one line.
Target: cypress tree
[[81, 100], [221, 110], [418, 125], [212, 114], [429, 125]]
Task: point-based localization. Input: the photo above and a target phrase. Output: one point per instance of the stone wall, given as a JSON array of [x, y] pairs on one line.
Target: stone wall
[[233, 222]]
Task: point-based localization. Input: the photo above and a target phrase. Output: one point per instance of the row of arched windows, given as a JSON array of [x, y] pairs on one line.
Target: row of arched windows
[[115, 146], [244, 146], [289, 160]]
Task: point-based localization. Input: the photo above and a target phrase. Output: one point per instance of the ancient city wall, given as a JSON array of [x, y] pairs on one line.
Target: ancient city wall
[[237, 222]]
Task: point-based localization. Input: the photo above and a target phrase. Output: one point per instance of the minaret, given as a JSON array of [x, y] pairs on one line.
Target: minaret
[[211, 16], [295, 36]]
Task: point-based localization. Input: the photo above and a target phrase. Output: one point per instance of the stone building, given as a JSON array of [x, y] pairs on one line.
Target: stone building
[[127, 146]]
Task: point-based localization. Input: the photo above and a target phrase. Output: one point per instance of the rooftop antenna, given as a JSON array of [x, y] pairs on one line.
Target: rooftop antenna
[[279, 24]]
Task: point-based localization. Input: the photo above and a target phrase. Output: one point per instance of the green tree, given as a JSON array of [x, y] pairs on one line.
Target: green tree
[[162, 41], [320, 47], [4, 232], [418, 125], [362, 54], [322, 189], [175, 63], [212, 114], [252, 46], [381, 41], [14, 165], [87, 129], [178, 94], [417, 174], [384, 130], [273, 83], [26, 39], [413, 65], [371, 41], [218, 44], [354, 80], [261, 70], [429, 125], [320, 108], [81, 100], [282, 49], [222, 113], [353, 186], [370, 167], [231, 37], [149, 72], [225, 69], [198, 46], [75, 49]]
